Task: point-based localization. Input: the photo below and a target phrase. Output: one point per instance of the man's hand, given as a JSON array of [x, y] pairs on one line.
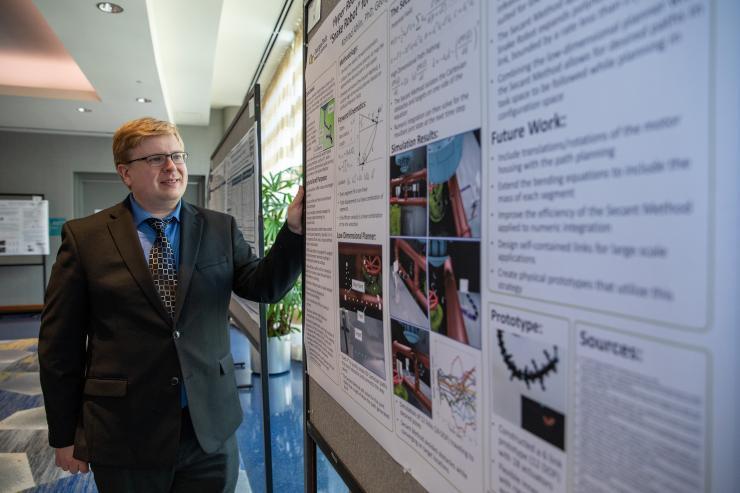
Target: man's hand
[[67, 462], [295, 213]]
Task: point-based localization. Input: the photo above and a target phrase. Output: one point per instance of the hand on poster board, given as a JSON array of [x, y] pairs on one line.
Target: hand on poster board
[[295, 213]]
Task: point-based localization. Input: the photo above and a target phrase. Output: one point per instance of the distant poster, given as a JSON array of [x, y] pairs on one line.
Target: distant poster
[[242, 195], [217, 187], [24, 227]]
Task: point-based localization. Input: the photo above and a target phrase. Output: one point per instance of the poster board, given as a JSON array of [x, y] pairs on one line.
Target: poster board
[[520, 243], [24, 244], [24, 227], [234, 188]]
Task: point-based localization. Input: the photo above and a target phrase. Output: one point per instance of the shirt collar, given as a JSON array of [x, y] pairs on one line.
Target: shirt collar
[[141, 215]]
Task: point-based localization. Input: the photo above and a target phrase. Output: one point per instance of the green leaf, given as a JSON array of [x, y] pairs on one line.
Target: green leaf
[[276, 191]]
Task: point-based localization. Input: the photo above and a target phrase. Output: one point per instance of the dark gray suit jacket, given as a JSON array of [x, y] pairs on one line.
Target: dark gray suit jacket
[[111, 360]]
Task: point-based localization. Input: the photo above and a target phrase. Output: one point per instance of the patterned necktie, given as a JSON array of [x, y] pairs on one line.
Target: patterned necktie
[[162, 264]]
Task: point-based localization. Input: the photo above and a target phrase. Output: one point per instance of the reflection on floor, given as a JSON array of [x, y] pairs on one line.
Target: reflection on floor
[[27, 462], [286, 422]]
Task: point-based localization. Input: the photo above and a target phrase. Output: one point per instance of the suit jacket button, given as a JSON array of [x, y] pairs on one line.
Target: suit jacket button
[[174, 381], [176, 334]]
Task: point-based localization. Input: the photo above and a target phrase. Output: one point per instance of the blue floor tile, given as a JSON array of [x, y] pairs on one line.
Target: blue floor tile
[[286, 423]]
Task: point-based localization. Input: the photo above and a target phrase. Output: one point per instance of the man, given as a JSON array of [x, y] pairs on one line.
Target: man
[[134, 355]]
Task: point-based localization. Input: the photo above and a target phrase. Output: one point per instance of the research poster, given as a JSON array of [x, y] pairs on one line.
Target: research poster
[[24, 227], [217, 187], [240, 193], [242, 197], [521, 239]]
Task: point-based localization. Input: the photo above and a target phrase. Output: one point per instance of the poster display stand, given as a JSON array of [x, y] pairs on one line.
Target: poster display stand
[[234, 187], [24, 236], [521, 229]]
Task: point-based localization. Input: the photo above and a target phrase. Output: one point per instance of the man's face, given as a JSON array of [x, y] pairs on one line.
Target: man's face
[[156, 189]]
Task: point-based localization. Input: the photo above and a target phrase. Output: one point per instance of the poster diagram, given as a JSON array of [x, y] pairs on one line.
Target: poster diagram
[[457, 391], [531, 371], [411, 369], [326, 125], [408, 288], [456, 386], [530, 374], [363, 146], [454, 186], [361, 305], [529, 399], [454, 290], [408, 193], [367, 130]]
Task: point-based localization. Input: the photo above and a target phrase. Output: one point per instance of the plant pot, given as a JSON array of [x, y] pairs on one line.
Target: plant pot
[[278, 356], [296, 344], [281, 393]]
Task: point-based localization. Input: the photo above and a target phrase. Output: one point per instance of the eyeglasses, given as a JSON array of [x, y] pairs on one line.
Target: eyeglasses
[[158, 160]]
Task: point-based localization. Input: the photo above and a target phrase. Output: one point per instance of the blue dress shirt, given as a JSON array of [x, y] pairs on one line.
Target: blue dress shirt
[[147, 235]]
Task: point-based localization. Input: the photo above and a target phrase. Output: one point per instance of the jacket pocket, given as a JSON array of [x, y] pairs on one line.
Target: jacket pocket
[[226, 364], [204, 264], [105, 387]]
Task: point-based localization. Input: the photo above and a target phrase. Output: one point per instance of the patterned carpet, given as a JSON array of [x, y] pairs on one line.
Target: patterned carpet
[[26, 461]]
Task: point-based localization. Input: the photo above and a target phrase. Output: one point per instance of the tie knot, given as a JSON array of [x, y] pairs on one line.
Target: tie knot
[[159, 224]]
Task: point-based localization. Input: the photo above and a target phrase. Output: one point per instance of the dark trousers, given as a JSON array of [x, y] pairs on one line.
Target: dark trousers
[[194, 471]]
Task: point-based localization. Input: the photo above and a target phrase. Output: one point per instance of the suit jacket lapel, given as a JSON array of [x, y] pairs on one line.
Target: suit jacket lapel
[[121, 227], [191, 222]]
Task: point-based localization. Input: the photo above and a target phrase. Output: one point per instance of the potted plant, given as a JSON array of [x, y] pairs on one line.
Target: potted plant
[[283, 317]]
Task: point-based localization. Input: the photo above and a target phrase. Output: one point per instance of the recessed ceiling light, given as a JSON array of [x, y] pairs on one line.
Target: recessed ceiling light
[[84, 110], [109, 8], [143, 100]]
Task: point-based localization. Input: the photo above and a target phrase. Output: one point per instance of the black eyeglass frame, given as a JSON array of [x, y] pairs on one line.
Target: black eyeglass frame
[[166, 156]]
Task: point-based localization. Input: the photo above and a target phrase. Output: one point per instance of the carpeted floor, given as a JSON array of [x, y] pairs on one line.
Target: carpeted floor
[[27, 461]]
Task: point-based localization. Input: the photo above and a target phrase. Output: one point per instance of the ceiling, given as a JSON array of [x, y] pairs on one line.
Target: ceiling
[[185, 56]]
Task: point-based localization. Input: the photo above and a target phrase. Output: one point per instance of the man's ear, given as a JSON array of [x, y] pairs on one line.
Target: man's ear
[[123, 172]]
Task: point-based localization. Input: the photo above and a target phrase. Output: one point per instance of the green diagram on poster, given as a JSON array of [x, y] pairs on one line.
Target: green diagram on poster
[[327, 125]]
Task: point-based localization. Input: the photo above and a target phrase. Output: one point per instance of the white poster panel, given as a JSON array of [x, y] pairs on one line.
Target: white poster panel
[[600, 209], [242, 196], [646, 399], [600, 172], [243, 185], [320, 330], [409, 374], [529, 399], [24, 227]]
